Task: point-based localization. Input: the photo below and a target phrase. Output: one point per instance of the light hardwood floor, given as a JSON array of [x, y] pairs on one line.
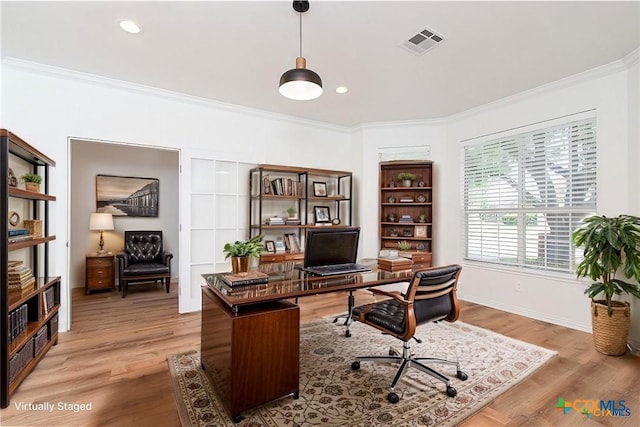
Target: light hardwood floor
[[114, 359]]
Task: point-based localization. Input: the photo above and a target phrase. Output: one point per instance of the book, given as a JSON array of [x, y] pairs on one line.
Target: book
[[18, 232], [248, 278], [16, 239], [394, 263]]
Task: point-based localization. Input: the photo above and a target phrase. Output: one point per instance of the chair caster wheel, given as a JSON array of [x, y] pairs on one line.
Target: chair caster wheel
[[462, 376], [236, 418], [355, 365], [451, 392], [347, 334], [335, 320], [393, 398]]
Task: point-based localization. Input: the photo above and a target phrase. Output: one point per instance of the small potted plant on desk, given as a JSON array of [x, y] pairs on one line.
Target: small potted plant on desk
[[32, 182], [611, 245], [241, 251]]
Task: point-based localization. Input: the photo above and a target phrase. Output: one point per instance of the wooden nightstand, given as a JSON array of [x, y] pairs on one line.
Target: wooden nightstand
[[100, 274]]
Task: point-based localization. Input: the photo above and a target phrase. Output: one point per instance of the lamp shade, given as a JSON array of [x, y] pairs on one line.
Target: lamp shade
[[101, 221], [300, 83]]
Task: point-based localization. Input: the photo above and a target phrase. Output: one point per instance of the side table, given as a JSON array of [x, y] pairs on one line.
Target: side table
[[99, 272]]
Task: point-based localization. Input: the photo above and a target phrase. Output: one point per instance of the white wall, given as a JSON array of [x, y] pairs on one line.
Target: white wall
[[551, 297], [399, 135], [46, 106]]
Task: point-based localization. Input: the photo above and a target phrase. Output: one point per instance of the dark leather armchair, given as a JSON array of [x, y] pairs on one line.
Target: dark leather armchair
[[143, 260], [431, 297]]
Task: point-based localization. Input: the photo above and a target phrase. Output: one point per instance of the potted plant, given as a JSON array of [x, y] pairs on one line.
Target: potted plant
[[403, 245], [611, 248], [292, 213], [241, 251], [31, 181], [406, 178]]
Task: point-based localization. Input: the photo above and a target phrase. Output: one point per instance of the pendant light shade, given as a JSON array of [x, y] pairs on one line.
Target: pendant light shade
[[300, 83]]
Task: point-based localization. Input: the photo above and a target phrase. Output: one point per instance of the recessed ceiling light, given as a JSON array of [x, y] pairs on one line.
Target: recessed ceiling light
[[342, 89], [130, 26]]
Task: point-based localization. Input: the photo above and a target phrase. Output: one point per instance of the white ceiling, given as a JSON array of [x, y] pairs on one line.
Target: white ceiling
[[235, 51]]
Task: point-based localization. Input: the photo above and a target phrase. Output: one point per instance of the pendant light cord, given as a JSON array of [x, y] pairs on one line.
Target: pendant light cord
[[301, 35]]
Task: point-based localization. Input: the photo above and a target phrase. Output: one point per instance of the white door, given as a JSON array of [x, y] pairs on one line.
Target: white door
[[214, 206]]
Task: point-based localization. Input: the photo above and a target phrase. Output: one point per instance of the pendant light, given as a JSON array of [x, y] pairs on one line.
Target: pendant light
[[300, 83]]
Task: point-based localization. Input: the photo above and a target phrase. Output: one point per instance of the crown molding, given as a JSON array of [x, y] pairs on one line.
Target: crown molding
[[592, 74], [63, 73]]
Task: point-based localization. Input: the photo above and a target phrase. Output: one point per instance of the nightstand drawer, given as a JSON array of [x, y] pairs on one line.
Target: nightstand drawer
[[100, 273]]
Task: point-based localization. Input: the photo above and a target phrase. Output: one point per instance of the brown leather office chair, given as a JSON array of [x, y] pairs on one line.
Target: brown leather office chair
[[143, 260], [431, 297]]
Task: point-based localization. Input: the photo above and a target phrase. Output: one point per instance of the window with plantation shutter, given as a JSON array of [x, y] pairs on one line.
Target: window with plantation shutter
[[524, 194]]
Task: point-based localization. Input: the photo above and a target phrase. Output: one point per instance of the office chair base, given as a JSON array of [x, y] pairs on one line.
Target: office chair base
[[347, 315], [406, 360]]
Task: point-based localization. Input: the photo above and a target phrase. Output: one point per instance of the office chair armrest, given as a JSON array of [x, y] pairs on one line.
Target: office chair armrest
[[393, 294]]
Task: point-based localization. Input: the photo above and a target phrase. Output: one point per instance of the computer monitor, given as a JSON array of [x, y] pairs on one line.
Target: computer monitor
[[331, 246]]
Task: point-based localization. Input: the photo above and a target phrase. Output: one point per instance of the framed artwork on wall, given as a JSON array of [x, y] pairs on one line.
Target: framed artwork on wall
[[127, 196]]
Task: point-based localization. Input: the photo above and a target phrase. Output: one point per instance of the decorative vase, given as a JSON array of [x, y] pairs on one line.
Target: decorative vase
[[610, 333], [239, 264], [32, 186], [406, 183]]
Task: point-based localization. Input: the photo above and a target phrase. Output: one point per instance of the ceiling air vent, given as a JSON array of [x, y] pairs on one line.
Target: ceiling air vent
[[423, 41]]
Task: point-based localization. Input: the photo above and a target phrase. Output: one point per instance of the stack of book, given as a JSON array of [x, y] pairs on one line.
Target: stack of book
[[243, 279], [275, 220], [394, 264], [293, 221], [406, 219], [19, 234], [20, 278]]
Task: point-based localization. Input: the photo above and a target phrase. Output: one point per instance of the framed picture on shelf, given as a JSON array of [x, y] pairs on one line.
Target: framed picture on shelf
[[270, 245], [321, 214], [319, 189], [421, 231], [280, 247]]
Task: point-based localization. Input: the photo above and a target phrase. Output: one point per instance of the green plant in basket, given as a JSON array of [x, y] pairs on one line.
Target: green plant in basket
[[31, 177], [611, 246]]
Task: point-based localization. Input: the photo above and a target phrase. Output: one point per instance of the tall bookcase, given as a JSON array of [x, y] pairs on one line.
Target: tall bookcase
[[28, 315], [406, 208], [277, 188]]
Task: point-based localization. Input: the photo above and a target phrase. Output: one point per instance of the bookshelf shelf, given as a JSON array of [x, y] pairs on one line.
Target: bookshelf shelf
[[275, 189]]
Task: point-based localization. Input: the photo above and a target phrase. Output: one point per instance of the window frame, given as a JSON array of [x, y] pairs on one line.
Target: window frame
[[569, 209]]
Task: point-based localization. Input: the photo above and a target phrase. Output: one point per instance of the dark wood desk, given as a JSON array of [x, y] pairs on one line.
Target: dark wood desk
[[248, 363]]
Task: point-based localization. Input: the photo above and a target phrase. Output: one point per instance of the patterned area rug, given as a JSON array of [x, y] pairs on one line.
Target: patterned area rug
[[331, 394]]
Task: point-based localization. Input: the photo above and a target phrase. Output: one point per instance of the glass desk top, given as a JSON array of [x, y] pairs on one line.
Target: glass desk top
[[285, 281]]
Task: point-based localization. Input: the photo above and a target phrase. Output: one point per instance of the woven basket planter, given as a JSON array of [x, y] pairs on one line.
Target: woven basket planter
[[610, 332]]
